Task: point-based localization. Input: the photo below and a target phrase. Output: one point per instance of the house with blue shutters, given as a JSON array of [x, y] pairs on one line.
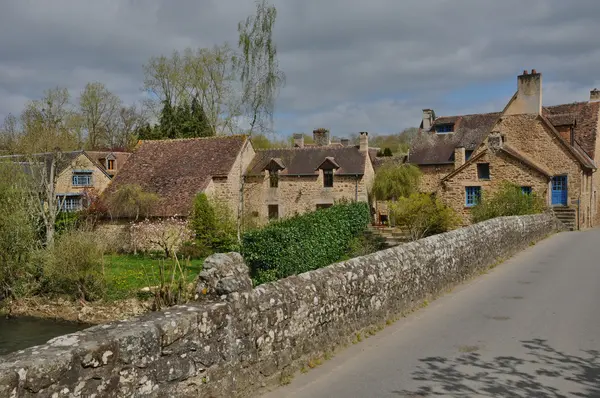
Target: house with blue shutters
[[549, 150]]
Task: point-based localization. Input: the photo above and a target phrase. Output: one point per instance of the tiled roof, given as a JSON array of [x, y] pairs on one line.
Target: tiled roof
[[178, 169], [305, 161], [66, 160], [586, 116], [469, 132]]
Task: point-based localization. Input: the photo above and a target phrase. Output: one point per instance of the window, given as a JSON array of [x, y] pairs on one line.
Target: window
[[444, 128], [468, 154], [82, 179], [69, 203], [324, 206], [274, 178], [473, 196], [111, 164], [483, 171], [328, 178], [526, 190], [273, 212]]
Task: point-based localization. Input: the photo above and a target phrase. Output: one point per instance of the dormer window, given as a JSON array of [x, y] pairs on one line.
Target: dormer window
[[328, 166], [274, 166], [110, 164], [444, 128]]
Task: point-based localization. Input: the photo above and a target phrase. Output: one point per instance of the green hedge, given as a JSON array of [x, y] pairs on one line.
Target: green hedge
[[303, 243]]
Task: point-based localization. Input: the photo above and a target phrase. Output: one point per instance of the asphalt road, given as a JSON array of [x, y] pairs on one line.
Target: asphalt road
[[528, 328]]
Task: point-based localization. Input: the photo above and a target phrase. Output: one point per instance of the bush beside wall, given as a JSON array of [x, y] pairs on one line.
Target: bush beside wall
[[303, 243]]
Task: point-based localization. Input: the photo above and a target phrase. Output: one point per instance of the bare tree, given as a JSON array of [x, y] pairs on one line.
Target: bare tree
[[99, 110], [49, 123], [129, 119], [260, 75], [9, 134]]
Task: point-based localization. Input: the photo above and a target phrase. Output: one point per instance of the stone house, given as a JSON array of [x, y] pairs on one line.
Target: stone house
[[79, 173], [547, 150], [179, 169], [284, 182]]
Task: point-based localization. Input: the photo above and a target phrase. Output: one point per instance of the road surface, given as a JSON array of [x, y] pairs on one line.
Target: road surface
[[528, 328]]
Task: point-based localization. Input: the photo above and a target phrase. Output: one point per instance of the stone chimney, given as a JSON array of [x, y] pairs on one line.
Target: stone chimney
[[345, 141], [427, 119], [298, 140], [364, 141], [321, 137], [595, 95], [459, 157], [529, 95]]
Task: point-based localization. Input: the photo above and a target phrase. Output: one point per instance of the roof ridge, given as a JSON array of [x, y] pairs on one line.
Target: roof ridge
[[196, 138], [307, 148]]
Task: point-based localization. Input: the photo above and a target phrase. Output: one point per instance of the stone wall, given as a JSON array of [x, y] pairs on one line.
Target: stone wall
[[503, 168], [144, 236], [238, 340], [64, 183]]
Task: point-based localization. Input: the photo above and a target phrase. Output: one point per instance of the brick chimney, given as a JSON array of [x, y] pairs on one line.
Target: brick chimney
[[364, 141], [595, 95], [298, 140], [529, 95], [345, 141], [428, 116], [321, 137]]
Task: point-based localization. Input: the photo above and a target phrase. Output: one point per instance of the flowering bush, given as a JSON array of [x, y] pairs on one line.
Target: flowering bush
[[163, 234]]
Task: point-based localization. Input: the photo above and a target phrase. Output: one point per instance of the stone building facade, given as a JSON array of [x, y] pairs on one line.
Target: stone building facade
[[284, 182], [547, 150]]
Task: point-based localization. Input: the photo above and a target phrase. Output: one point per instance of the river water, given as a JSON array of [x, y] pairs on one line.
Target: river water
[[22, 332]]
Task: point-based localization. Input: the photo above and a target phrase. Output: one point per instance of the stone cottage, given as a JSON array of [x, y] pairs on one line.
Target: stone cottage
[[285, 182], [79, 173], [179, 169], [551, 151]]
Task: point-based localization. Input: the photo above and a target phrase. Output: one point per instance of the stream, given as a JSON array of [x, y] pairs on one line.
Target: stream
[[22, 332]]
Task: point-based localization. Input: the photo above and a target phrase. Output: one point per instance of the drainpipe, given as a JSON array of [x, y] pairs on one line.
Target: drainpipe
[[356, 190], [579, 212]]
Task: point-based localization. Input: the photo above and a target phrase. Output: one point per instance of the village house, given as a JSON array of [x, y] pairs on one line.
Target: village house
[[179, 169], [551, 151], [79, 174], [289, 181]]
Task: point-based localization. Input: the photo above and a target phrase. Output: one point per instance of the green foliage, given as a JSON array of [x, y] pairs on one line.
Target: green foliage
[[365, 244], [17, 231], [423, 215], [262, 141], [508, 200], [74, 266], [66, 221], [131, 201], [304, 242], [213, 224], [394, 181]]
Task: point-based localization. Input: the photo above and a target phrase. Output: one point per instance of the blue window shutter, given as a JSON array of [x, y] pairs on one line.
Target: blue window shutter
[[472, 196]]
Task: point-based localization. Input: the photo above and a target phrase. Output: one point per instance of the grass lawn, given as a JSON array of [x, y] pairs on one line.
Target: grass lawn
[[127, 274]]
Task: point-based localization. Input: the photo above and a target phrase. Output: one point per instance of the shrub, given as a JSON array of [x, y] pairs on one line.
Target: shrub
[[213, 224], [423, 215], [365, 244], [74, 266], [66, 221], [508, 200], [131, 201], [17, 232], [164, 234], [394, 181], [303, 243]]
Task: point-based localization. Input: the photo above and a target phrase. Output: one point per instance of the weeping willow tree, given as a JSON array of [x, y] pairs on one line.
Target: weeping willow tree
[[395, 181], [258, 66]]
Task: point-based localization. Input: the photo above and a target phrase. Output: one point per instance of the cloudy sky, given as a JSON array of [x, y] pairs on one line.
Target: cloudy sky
[[351, 65]]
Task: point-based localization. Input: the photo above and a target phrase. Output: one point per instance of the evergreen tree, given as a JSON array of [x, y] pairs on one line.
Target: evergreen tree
[[200, 121], [168, 121]]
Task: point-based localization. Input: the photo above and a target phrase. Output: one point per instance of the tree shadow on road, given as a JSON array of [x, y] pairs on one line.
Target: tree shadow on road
[[534, 374]]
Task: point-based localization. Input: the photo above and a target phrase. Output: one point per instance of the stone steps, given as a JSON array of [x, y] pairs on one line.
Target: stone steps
[[567, 216], [393, 236]]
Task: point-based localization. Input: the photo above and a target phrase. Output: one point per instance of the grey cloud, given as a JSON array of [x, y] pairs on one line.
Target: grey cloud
[[347, 61]]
